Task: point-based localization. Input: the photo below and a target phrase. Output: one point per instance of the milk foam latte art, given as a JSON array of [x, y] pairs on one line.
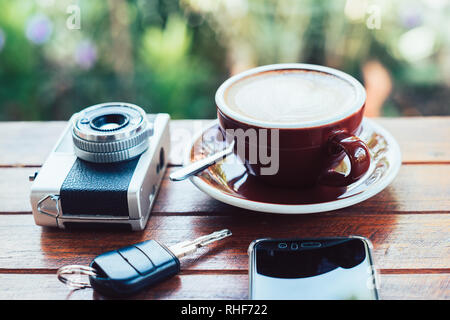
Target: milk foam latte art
[[294, 123], [290, 96]]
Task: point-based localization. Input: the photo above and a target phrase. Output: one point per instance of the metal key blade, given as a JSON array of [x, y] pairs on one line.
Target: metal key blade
[[188, 247]]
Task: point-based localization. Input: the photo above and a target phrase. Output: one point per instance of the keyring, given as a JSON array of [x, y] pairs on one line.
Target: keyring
[[128, 270], [75, 270]]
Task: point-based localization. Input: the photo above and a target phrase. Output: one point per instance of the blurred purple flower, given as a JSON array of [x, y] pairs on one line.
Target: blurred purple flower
[[86, 54], [2, 39], [411, 17], [39, 29]]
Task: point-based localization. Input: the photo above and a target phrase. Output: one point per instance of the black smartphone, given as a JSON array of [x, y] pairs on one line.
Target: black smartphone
[[312, 269]]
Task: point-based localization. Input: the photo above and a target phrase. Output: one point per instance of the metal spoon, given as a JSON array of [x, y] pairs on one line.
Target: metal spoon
[[200, 165]]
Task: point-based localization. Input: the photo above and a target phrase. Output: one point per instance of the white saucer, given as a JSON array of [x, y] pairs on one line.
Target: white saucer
[[228, 181]]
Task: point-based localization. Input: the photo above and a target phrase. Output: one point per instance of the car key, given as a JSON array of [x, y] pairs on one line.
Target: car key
[[128, 270]]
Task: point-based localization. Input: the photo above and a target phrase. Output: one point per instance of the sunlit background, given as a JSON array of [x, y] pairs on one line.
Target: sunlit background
[[60, 56]]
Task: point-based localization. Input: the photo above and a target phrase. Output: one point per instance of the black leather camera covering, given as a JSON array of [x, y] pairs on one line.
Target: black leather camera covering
[[97, 188]]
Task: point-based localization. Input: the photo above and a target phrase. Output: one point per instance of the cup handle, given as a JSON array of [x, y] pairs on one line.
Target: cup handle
[[357, 152]]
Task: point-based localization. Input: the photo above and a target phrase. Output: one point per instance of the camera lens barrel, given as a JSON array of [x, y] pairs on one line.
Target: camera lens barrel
[[111, 132]]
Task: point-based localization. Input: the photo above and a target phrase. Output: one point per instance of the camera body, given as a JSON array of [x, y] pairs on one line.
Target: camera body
[[71, 192]]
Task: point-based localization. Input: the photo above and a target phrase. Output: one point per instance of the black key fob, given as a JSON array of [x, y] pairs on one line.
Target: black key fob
[[128, 270]]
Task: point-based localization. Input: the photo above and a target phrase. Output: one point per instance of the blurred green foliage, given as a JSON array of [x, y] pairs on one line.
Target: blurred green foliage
[[171, 55]]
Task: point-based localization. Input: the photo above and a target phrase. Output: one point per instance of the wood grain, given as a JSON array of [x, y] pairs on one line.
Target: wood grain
[[408, 222], [39, 286], [415, 287], [15, 189], [28, 143], [400, 241], [198, 286], [417, 189], [421, 139]]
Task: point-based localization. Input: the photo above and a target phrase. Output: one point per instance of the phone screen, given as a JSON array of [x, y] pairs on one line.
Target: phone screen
[[309, 269]]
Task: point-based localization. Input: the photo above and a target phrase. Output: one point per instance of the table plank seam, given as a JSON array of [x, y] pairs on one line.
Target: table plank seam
[[233, 271], [434, 162], [225, 214], [407, 162], [327, 213]]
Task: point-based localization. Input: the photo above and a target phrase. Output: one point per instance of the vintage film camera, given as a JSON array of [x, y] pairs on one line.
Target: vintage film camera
[[105, 169]]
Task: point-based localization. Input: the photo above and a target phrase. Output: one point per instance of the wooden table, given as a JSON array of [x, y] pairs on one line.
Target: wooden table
[[408, 222]]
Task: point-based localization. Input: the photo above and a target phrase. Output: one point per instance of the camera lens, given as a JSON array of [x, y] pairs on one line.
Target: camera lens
[[109, 122], [111, 132]]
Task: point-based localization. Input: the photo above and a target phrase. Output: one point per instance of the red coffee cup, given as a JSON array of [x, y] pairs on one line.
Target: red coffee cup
[[307, 152]]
